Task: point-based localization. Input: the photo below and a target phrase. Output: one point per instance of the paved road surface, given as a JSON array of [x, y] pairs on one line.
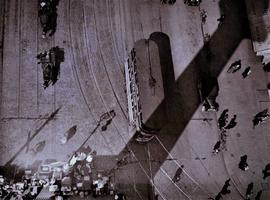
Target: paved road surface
[[96, 37]]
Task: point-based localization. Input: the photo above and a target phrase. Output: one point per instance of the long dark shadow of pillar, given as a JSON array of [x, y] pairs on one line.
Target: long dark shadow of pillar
[[181, 96]]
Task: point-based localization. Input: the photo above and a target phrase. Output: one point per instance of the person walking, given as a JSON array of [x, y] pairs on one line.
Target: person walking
[[258, 196], [178, 173], [232, 123], [243, 163], [235, 66], [266, 171], [225, 189], [249, 191], [218, 197], [222, 120], [203, 16], [246, 72], [221, 20], [260, 117], [217, 147]]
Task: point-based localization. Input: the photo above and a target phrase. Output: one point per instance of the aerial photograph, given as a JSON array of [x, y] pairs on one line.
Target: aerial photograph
[[134, 100]]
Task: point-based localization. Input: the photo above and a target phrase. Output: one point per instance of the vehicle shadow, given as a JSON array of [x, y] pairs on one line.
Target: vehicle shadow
[[59, 58]]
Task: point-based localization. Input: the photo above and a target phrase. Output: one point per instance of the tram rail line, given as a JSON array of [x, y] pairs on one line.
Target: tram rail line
[[2, 33], [109, 19], [118, 132], [95, 77], [78, 80], [73, 66], [90, 64], [105, 68], [19, 6]]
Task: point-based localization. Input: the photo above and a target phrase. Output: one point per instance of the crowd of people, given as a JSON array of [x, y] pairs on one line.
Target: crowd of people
[[61, 180], [224, 125]]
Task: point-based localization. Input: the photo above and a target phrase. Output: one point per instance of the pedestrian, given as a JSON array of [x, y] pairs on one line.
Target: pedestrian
[[222, 120], [120, 196], [260, 117], [249, 191], [217, 147], [203, 16], [232, 123], [218, 196], [266, 67], [105, 126], [235, 66], [243, 163], [225, 189], [262, 114], [266, 171], [221, 19], [246, 72], [178, 173], [256, 121], [258, 196]]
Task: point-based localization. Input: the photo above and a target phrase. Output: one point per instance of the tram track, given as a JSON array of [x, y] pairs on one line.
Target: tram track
[[19, 6], [37, 65], [105, 68], [184, 171], [118, 132], [78, 78], [2, 35], [109, 18], [73, 66]]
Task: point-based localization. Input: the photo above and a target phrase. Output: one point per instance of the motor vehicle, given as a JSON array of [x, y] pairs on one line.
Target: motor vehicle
[[50, 65], [45, 14], [47, 168]]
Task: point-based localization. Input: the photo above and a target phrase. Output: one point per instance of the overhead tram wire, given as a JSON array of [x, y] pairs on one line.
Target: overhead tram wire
[[174, 160]]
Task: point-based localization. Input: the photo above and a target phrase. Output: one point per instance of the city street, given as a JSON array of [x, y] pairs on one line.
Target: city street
[[174, 48]]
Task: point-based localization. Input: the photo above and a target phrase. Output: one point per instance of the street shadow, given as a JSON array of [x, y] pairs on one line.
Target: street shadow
[[12, 172], [38, 147], [182, 96], [150, 80], [70, 133], [53, 18], [181, 93], [31, 137]]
